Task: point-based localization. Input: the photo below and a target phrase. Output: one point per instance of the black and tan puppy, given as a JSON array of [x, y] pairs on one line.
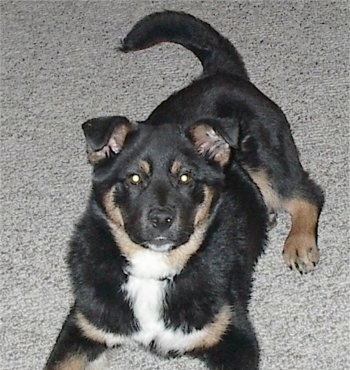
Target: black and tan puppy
[[265, 147], [165, 250]]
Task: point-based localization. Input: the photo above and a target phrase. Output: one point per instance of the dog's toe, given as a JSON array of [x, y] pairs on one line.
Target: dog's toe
[[300, 253]]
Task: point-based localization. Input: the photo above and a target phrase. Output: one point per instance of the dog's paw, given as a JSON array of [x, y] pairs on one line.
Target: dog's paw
[[300, 252]]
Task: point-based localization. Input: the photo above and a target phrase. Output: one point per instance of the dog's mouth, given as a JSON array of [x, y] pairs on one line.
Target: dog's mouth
[[160, 244]]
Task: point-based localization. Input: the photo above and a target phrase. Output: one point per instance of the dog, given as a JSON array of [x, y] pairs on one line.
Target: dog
[[178, 214]]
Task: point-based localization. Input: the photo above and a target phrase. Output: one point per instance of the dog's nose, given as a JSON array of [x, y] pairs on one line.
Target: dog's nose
[[161, 218]]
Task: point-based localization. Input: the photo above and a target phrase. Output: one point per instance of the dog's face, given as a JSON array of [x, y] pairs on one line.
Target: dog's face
[[156, 183]]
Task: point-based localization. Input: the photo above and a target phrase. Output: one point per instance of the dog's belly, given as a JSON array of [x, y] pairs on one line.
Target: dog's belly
[[147, 300]]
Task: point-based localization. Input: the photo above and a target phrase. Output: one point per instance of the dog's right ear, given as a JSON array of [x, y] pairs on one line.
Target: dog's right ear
[[105, 136]]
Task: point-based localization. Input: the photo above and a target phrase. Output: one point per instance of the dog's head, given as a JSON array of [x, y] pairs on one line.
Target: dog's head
[[157, 185]]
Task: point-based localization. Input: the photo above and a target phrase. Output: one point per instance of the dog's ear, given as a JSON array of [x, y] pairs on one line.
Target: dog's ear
[[214, 139], [105, 136]]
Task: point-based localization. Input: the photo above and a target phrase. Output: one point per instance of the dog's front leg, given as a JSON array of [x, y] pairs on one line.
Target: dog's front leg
[[237, 350], [74, 351]]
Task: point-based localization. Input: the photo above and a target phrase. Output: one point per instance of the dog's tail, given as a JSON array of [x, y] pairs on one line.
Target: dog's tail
[[214, 51]]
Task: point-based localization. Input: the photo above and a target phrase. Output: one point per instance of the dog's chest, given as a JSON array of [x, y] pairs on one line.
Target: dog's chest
[[146, 297], [147, 301]]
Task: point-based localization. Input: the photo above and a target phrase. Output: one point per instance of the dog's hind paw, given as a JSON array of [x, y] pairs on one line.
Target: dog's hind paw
[[300, 252]]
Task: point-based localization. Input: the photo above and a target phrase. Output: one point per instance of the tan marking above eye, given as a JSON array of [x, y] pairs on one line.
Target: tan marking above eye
[[135, 179], [185, 179], [175, 168], [145, 167]]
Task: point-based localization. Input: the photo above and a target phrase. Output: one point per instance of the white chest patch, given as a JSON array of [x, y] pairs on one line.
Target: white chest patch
[[146, 293], [147, 300], [151, 265], [146, 297]]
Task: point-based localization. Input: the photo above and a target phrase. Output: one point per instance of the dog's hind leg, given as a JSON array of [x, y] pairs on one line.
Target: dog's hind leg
[[304, 203], [300, 250], [74, 351]]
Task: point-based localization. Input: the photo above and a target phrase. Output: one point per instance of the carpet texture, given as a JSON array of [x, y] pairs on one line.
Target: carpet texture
[[59, 67]]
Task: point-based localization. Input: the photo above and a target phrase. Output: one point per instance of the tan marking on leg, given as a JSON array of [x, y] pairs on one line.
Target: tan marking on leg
[[76, 362], [271, 197], [216, 329], [300, 250], [99, 363], [90, 331]]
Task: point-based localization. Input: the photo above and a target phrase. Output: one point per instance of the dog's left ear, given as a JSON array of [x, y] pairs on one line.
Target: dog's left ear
[[214, 144], [105, 136]]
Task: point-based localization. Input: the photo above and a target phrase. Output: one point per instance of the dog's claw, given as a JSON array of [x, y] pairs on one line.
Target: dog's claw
[[298, 254]]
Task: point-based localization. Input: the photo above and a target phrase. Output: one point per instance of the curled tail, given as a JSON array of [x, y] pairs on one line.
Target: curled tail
[[214, 51]]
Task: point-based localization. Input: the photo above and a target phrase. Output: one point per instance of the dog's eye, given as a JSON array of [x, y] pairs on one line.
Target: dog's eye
[[135, 179], [185, 179]]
